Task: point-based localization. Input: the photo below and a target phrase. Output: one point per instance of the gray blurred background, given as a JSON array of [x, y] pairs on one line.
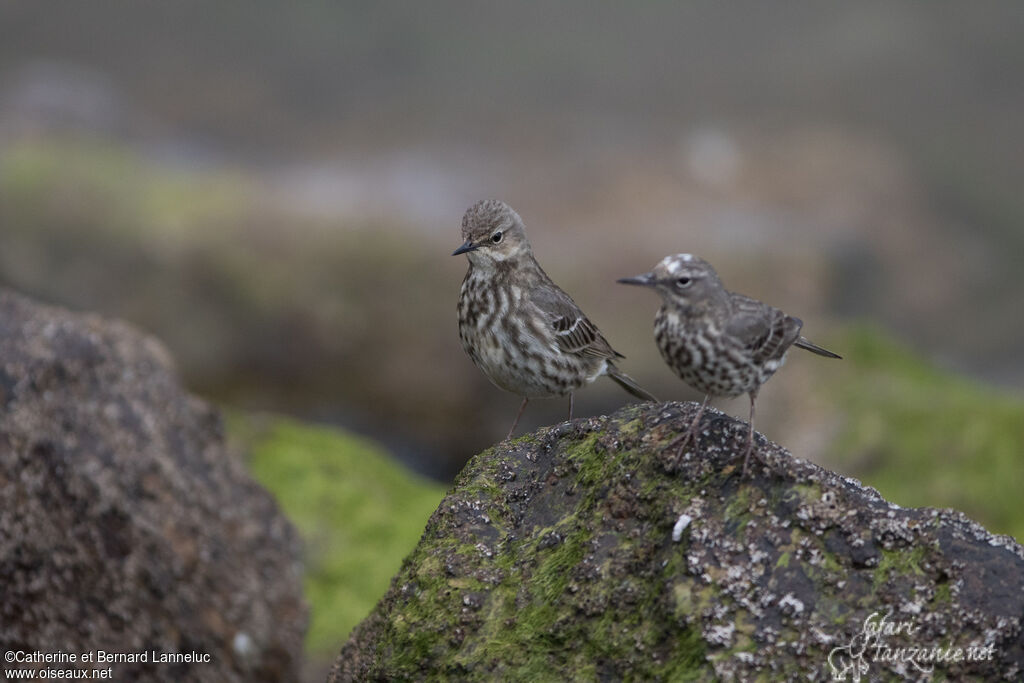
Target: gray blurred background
[[274, 189]]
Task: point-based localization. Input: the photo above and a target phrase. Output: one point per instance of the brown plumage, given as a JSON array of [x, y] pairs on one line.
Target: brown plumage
[[717, 341], [526, 334]]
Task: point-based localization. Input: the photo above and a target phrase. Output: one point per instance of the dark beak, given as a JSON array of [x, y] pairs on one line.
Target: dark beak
[[645, 280], [466, 246]]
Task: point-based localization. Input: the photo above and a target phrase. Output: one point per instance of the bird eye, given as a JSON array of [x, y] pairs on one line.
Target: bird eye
[[684, 281], [496, 237]]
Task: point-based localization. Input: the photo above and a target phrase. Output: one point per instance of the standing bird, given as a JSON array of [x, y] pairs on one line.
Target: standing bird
[[718, 342], [524, 332]]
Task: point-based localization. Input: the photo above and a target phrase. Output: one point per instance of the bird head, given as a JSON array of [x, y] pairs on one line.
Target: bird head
[[493, 233], [682, 280]]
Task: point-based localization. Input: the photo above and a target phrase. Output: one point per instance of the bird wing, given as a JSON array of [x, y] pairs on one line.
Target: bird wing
[[764, 331], [573, 331]]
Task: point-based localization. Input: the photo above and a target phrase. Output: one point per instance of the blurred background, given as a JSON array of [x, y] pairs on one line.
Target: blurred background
[[274, 190]]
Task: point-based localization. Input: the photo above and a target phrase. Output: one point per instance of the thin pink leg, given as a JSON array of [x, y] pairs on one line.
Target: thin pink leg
[[750, 433], [518, 415]]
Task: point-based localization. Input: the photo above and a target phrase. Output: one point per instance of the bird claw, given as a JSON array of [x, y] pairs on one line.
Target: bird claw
[[746, 456], [679, 444]]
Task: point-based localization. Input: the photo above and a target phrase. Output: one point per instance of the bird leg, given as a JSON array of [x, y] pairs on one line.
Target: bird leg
[[518, 415], [750, 434], [570, 406], [691, 431]]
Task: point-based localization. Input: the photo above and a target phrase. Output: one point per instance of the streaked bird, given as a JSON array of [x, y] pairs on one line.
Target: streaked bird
[[717, 341], [527, 335]]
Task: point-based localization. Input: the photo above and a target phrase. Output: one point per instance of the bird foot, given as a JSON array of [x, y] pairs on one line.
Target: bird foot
[[746, 454], [679, 444], [746, 461]]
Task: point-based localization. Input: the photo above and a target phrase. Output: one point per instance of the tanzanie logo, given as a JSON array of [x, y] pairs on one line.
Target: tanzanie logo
[[875, 643]]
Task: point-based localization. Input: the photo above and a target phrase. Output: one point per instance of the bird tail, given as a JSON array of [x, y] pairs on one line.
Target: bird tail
[[807, 344], [629, 384]]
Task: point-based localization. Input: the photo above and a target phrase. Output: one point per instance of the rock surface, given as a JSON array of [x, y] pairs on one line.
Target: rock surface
[[125, 526], [582, 552]]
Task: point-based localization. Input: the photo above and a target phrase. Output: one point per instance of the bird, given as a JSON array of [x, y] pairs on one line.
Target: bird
[[719, 342], [527, 335]]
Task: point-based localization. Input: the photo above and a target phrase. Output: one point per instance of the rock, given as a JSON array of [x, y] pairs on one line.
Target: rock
[[581, 552], [125, 526]]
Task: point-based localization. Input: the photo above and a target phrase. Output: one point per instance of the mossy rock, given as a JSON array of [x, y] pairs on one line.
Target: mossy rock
[[585, 551]]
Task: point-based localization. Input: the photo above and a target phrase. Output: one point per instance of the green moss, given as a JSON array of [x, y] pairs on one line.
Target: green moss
[[926, 437], [582, 455], [692, 598], [738, 513], [829, 560], [517, 621], [899, 563], [632, 427], [739, 505], [805, 493], [358, 511], [553, 571], [688, 662]]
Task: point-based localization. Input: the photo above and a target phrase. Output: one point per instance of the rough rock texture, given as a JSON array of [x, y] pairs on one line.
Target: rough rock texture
[[554, 558], [124, 524]]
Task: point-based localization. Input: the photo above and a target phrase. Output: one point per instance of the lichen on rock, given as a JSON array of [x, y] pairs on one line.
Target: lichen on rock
[[564, 555]]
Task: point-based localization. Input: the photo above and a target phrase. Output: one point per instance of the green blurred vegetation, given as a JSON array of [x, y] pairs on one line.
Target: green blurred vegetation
[[63, 174], [924, 436], [358, 511]]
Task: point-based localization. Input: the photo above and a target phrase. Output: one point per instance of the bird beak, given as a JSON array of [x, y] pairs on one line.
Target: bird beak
[[645, 280], [466, 246]]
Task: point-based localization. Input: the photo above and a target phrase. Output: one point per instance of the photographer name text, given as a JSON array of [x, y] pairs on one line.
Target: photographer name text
[[106, 657]]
